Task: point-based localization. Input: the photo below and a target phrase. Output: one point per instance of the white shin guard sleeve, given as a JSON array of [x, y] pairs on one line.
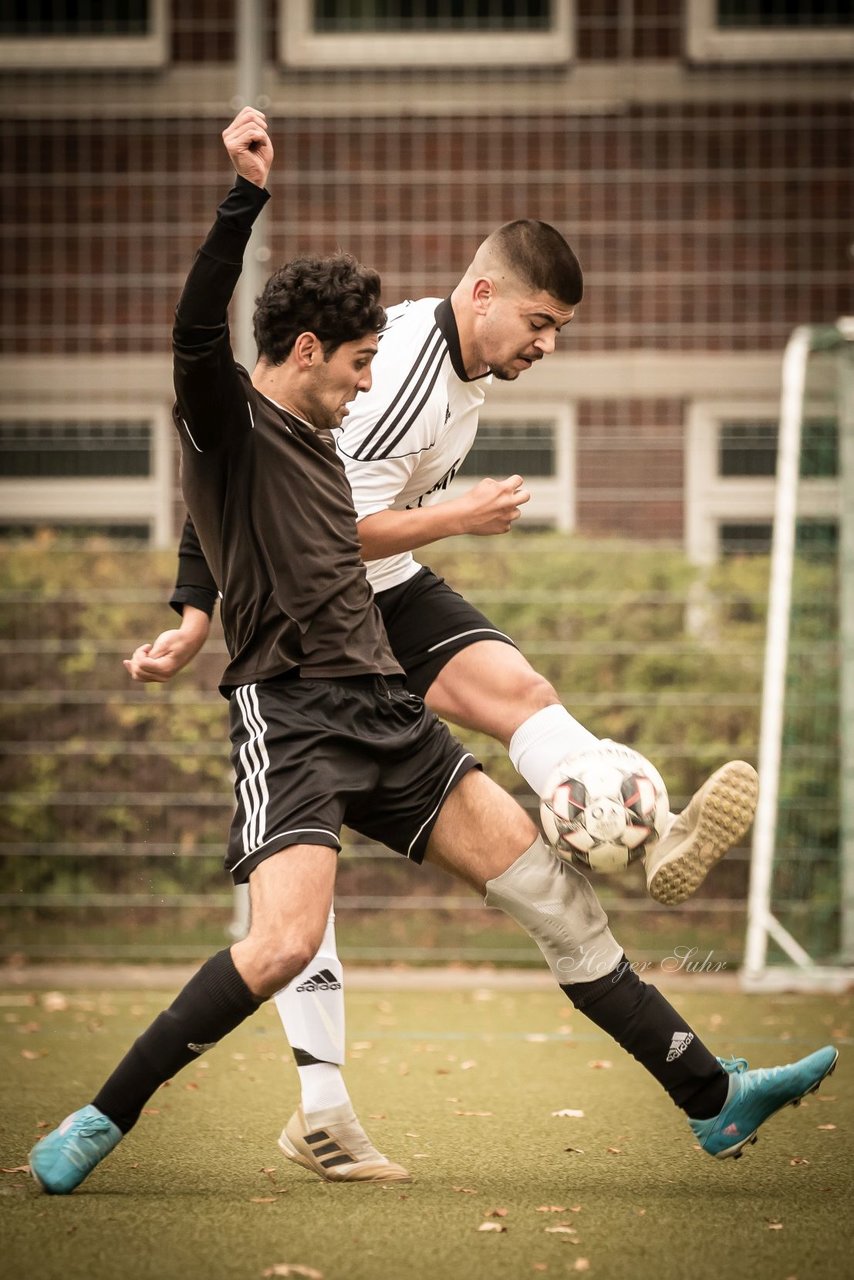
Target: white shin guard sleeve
[[311, 1007], [556, 905]]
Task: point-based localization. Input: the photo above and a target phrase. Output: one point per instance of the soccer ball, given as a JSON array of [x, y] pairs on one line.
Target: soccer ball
[[603, 807]]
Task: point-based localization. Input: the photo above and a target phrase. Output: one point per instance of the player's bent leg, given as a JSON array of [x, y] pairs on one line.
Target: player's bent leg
[[324, 1134], [290, 896], [479, 832], [492, 688], [557, 907], [291, 892], [714, 820]]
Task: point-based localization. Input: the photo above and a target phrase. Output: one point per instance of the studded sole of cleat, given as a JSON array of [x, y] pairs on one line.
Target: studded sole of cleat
[[726, 814], [736, 1152]]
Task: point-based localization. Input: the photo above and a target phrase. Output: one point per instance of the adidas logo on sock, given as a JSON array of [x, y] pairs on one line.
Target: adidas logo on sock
[[324, 980], [678, 1045]]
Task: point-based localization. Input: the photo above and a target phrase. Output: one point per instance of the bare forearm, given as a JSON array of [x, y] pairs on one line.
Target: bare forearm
[[386, 533], [490, 507]]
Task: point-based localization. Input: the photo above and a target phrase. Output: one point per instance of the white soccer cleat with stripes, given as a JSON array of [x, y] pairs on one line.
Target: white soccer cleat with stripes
[[335, 1147]]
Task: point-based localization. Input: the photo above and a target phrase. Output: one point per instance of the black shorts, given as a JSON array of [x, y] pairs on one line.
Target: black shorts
[[427, 623], [310, 755]]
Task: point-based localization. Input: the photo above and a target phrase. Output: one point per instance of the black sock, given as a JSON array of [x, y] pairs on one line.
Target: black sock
[[639, 1018], [214, 1002]]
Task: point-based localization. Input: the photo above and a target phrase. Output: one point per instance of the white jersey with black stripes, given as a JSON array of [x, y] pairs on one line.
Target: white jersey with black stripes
[[404, 440]]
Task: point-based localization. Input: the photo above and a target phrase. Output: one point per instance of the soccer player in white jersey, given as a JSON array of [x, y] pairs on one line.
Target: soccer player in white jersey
[[401, 444]]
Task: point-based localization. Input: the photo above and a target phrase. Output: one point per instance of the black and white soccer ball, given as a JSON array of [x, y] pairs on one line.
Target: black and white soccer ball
[[604, 807]]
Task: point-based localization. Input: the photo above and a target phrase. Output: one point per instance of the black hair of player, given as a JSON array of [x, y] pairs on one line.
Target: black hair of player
[[541, 258], [336, 298]]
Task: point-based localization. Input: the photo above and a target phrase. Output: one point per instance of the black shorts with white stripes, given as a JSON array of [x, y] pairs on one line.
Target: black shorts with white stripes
[[311, 755], [427, 623]]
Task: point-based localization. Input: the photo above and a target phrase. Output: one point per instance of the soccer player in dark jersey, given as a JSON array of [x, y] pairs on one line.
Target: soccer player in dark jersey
[[323, 731]]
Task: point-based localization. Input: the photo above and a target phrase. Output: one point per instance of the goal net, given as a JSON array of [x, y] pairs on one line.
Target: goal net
[[800, 929]]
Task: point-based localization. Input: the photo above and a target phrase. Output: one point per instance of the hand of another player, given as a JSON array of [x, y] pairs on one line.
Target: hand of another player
[[492, 505], [248, 145], [158, 662]]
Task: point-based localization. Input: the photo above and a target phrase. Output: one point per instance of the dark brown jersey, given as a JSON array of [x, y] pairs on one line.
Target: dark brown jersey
[[268, 497]]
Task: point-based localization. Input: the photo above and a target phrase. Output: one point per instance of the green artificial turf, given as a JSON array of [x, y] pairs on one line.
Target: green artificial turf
[[461, 1087]]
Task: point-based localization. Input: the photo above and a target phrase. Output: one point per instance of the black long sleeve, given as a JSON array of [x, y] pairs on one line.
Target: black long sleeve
[[194, 583], [207, 386]]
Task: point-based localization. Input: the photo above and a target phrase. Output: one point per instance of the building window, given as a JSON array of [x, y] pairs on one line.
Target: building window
[[730, 488], [750, 448], [440, 33], [49, 448], [99, 470], [539, 446], [68, 34], [770, 30]]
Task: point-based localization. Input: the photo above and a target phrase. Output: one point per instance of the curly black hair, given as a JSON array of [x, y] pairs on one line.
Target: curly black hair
[[335, 298]]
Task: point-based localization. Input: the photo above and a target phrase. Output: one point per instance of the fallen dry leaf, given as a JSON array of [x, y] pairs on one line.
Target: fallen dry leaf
[[550, 1208], [581, 1264], [492, 1226], [614, 1151], [466, 1191], [798, 1160], [562, 1228], [472, 1113], [600, 1064], [496, 1213], [568, 1111], [262, 1199], [468, 1064], [18, 1168], [31, 1055], [775, 1226], [577, 1151], [827, 1126], [54, 1001], [539, 1266], [293, 1269]]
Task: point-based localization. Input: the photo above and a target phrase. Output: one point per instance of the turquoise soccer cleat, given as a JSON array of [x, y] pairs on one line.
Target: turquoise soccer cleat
[[61, 1161], [755, 1095]]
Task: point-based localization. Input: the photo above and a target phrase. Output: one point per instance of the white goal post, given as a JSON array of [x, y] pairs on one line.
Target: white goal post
[[802, 973]]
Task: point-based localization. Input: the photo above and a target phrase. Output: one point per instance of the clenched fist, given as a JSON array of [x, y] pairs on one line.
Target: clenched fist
[[248, 144]]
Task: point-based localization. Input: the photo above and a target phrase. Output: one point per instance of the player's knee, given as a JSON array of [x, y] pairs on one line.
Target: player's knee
[[273, 960], [558, 908]]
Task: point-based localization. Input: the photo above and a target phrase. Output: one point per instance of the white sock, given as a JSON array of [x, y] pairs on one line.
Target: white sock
[[541, 742], [311, 1008], [322, 1086]]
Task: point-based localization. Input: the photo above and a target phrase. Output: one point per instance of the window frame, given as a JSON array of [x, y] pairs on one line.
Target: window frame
[[705, 41], [712, 500], [301, 46], [68, 53], [553, 498], [96, 499]]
